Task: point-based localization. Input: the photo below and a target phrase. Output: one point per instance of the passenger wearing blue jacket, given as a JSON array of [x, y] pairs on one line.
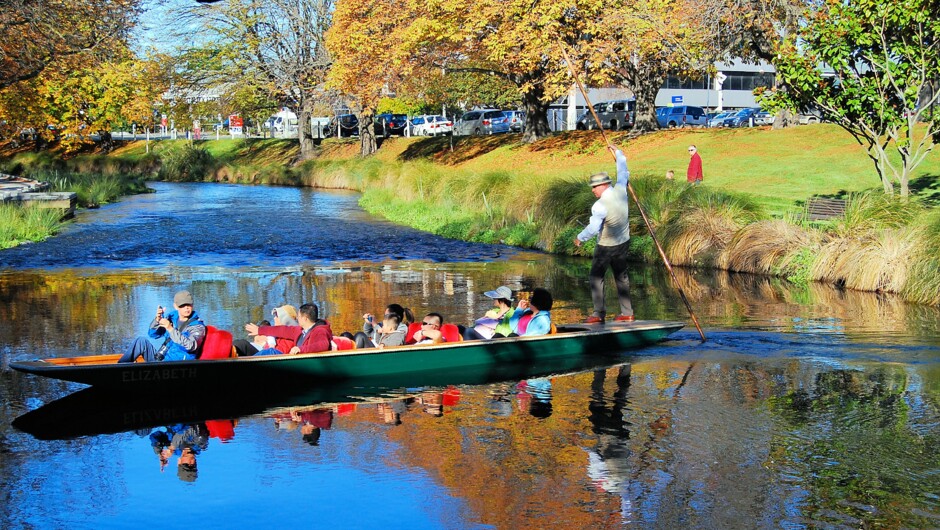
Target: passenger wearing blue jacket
[[533, 317], [182, 330]]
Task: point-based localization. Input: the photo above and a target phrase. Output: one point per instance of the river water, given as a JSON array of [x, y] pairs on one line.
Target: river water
[[807, 406]]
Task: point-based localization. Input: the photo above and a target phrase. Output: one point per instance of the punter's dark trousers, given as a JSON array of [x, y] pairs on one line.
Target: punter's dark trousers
[[614, 257]]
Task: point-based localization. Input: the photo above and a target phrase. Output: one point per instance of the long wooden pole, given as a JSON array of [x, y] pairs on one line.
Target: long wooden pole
[[636, 200]]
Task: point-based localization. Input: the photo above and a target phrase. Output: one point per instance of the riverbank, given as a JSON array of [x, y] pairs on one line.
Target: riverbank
[[747, 216]]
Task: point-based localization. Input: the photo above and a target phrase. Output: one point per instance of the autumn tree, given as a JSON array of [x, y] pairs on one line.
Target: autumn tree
[[515, 40], [278, 43], [364, 41], [638, 44], [872, 67], [34, 34]]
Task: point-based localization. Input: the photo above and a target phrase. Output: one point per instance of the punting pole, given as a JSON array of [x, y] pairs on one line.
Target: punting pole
[[636, 200]]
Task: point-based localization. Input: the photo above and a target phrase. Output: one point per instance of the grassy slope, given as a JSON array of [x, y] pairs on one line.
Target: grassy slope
[[780, 168]]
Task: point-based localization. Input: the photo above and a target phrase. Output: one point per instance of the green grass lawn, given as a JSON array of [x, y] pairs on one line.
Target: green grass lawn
[[780, 168]]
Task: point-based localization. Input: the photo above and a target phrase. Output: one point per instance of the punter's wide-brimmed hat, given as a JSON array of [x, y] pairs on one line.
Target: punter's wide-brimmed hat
[[599, 178], [500, 292]]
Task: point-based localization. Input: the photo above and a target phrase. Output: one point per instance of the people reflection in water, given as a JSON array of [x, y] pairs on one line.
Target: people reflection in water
[[390, 412], [184, 441], [535, 397], [311, 422]]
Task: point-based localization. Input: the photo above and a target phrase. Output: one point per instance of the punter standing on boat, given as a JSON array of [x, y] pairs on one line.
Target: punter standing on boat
[[610, 223], [182, 330]]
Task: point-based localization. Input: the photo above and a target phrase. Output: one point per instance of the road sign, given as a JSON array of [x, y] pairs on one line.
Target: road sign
[[677, 99]]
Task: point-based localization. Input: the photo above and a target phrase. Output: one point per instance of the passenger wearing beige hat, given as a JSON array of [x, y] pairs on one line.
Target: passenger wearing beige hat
[[611, 224], [495, 323], [182, 330]]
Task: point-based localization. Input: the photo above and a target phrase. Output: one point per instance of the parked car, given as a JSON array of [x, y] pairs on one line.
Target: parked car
[[388, 124], [808, 118], [763, 118], [741, 118], [616, 115], [681, 116], [482, 121], [717, 119], [516, 120], [343, 126], [431, 125]]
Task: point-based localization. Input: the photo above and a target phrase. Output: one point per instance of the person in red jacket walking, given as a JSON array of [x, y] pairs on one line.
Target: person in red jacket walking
[[694, 174], [313, 335]]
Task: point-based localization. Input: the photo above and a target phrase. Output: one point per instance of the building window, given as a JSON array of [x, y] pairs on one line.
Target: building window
[[735, 81]]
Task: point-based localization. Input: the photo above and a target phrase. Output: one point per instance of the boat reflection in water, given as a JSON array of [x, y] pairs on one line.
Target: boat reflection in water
[[96, 411]]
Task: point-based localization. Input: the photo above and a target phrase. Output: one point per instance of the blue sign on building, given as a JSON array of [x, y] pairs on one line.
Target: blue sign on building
[[677, 99]]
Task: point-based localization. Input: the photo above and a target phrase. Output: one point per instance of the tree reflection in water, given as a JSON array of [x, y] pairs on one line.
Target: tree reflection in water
[[808, 407]]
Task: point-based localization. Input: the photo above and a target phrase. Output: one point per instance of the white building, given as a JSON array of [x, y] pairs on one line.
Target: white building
[[737, 92]]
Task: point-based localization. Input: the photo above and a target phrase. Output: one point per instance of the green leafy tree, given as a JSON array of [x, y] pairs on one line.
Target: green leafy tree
[[872, 67]]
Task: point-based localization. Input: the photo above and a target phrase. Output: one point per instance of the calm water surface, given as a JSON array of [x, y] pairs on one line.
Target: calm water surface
[[807, 407]]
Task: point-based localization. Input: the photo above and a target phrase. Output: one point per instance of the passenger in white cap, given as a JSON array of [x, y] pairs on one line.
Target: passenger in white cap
[[495, 323]]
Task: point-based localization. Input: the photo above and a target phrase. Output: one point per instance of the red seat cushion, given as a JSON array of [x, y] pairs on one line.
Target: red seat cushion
[[217, 345], [344, 343], [412, 329], [451, 333]]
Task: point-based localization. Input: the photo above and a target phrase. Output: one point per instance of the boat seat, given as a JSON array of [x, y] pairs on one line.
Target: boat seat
[[343, 343], [412, 329], [451, 333], [217, 345]]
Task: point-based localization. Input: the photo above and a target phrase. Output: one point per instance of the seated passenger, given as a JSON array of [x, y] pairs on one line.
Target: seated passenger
[[395, 336], [313, 335], [430, 332], [369, 336], [260, 342], [533, 317], [182, 330], [495, 323]]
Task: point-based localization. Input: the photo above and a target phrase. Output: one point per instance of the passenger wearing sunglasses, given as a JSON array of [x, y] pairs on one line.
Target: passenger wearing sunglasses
[[430, 332]]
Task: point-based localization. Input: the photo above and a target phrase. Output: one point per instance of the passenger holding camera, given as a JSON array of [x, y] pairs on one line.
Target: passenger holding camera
[[182, 330]]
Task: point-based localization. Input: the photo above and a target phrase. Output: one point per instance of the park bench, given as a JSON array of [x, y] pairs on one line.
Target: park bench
[[820, 209]]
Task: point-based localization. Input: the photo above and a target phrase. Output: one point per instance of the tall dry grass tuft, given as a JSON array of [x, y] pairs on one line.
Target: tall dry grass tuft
[[874, 210], [703, 222], [873, 260], [923, 283], [767, 247]]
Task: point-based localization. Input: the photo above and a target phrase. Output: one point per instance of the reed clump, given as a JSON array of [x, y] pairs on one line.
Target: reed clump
[[702, 222], [25, 223], [771, 246]]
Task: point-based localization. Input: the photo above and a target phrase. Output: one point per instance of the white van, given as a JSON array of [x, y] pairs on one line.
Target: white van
[[283, 122]]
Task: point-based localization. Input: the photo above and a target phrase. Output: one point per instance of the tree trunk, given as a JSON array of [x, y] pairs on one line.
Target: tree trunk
[[307, 147], [367, 134], [536, 115], [784, 118], [645, 88]]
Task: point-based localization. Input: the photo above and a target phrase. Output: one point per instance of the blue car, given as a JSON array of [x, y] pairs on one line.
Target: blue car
[[742, 118]]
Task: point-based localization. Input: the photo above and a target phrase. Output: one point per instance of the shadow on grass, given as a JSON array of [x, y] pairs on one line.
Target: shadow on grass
[[465, 148], [927, 189]]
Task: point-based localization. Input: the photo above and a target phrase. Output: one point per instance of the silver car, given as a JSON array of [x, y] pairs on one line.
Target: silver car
[[482, 121]]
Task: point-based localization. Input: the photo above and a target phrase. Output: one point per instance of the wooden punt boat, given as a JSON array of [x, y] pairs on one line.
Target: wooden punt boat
[[571, 342]]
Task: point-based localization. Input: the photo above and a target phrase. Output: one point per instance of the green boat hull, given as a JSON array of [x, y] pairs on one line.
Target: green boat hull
[[568, 346]]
